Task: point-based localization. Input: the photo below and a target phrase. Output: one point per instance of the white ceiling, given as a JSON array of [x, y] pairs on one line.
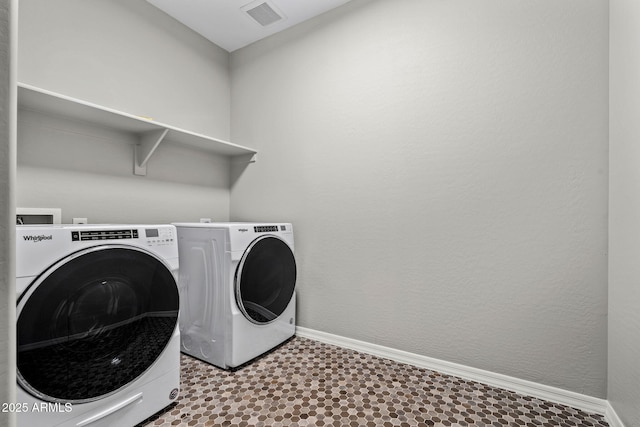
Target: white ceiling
[[225, 22]]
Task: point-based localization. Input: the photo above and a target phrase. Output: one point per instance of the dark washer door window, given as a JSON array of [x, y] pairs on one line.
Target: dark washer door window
[[265, 279], [94, 322]]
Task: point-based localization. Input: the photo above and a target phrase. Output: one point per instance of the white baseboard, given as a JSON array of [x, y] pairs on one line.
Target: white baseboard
[[529, 388], [612, 417]]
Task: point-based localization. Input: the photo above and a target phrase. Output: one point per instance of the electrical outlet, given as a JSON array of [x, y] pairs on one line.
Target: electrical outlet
[[80, 220]]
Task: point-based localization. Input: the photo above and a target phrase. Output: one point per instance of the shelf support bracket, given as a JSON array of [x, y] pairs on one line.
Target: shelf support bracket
[[143, 151], [245, 158]]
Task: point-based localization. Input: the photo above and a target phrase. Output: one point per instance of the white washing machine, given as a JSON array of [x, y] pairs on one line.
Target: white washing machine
[[237, 290], [97, 324]]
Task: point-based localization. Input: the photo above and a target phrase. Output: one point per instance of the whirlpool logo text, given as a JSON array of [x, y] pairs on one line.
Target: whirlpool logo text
[[39, 238]]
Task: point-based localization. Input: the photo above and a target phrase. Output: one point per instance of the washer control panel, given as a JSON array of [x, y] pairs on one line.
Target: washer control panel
[[83, 235], [159, 236]]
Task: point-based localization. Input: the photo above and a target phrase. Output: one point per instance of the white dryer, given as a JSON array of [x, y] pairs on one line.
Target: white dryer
[[237, 290], [97, 312]]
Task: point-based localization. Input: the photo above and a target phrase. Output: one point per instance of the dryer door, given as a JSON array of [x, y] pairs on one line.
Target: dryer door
[[265, 279], [94, 322]]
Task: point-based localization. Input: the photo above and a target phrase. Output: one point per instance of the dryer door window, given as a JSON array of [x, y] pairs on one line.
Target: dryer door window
[[265, 279], [93, 323]]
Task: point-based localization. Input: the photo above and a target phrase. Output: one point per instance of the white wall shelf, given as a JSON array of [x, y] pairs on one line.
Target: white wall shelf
[[149, 132]]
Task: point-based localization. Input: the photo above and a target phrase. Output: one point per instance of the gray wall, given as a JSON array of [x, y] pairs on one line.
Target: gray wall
[[129, 56], [445, 166], [8, 44], [624, 212]]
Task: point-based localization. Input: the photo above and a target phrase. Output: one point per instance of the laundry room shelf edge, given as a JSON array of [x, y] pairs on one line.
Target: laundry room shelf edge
[[150, 133]]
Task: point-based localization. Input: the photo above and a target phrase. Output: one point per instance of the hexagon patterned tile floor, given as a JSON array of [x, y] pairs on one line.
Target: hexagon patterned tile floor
[[307, 383]]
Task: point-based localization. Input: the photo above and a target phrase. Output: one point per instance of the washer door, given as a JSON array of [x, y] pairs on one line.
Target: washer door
[[94, 322], [265, 279]]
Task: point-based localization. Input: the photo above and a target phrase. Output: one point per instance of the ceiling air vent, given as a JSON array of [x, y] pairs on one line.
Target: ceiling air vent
[[263, 13]]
